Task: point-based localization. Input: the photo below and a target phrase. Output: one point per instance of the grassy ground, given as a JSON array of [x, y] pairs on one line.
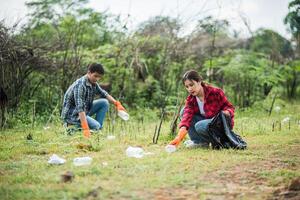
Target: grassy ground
[[263, 171]]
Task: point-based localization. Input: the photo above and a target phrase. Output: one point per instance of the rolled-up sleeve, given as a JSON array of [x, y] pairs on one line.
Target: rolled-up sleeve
[[101, 91], [79, 97], [187, 114]]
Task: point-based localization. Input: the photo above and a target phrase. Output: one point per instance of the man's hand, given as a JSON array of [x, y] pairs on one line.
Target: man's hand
[[119, 105], [85, 128], [180, 136], [86, 133]]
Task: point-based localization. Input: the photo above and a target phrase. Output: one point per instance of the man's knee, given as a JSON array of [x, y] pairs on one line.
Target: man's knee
[[105, 103], [96, 126], [101, 103]]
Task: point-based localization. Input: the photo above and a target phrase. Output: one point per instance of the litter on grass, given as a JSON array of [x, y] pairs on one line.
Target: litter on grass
[[79, 161], [170, 148], [56, 160], [287, 119], [135, 152], [111, 137]]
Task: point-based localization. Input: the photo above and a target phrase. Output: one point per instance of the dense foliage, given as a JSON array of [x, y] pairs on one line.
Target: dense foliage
[[143, 67]]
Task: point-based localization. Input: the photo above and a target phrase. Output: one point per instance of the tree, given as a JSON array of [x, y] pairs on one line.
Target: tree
[[18, 60], [69, 29], [245, 75], [271, 43], [293, 20]]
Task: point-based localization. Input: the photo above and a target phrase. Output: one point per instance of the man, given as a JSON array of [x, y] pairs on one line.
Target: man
[[79, 104]]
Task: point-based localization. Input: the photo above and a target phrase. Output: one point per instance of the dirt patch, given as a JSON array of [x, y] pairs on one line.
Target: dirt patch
[[291, 192], [242, 181], [170, 193]]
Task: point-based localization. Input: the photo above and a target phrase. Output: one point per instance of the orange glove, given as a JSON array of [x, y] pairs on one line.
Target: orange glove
[[119, 105], [86, 130], [181, 134]]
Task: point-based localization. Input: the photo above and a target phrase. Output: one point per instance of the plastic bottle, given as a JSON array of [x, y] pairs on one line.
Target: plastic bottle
[[170, 148], [135, 152], [82, 161], [55, 159], [124, 115]]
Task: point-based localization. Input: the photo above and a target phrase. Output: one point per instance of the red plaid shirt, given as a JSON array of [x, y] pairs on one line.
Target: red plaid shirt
[[214, 102]]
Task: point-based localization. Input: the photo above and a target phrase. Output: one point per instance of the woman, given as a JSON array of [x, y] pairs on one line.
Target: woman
[[202, 104]]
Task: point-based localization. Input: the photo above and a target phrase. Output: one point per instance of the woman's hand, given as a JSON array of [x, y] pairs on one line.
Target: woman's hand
[[180, 136], [226, 112]]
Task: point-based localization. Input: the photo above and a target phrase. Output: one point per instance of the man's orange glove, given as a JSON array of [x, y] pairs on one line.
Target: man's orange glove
[[180, 136], [119, 105], [85, 128]]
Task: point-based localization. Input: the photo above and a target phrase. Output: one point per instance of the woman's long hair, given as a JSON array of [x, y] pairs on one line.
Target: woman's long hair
[[192, 75]]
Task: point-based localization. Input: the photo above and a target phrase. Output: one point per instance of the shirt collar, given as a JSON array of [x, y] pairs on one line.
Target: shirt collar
[[87, 82]]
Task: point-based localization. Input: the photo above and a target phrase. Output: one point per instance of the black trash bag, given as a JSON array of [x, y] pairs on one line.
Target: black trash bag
[[222, 136]]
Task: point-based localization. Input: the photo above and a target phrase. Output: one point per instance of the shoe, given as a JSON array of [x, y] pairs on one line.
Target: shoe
[[192, 145], [71, 129]]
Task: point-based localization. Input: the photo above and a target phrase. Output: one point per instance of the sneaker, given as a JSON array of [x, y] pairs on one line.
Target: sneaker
[[71, 129], [193, 145]]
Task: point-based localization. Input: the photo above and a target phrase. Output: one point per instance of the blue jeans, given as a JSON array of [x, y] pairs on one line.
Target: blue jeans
[[198, 131], [100, 107]]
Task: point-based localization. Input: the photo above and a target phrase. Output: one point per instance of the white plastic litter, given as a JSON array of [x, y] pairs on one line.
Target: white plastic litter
[[82, 161], [287, 119], [148, 153], [56, 160], [111, 137], [277, 108], [170, 148], [135, 152], [124, 115]]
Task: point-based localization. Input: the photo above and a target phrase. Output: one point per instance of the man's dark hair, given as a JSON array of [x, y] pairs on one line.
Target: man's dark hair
[[96, 67]]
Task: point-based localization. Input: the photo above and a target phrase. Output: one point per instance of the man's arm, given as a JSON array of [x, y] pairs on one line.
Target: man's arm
[[78, 95], [84, 124], [115, 102], [111, 99]]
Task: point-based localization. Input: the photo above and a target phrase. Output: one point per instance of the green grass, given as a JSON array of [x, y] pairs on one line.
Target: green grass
[[270, 162]]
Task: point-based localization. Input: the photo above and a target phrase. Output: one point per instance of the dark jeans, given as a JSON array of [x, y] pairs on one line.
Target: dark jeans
[[198, 131]]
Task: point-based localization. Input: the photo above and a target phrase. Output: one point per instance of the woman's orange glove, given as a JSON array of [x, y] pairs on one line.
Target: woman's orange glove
[[85, 128], [119, 105], [180, 136]]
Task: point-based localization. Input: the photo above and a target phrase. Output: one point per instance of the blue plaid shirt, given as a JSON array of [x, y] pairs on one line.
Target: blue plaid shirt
[[78, 98]]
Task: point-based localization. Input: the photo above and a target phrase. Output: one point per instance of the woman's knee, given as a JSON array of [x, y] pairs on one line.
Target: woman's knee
[[202, 127]]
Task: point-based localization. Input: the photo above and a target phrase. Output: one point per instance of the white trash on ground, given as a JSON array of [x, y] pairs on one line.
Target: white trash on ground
[[111, 137], [277, 108], [79, 161], [56, 160], [287, 119], [170, 148], [148, 153], [135, 152], [124, 115]]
